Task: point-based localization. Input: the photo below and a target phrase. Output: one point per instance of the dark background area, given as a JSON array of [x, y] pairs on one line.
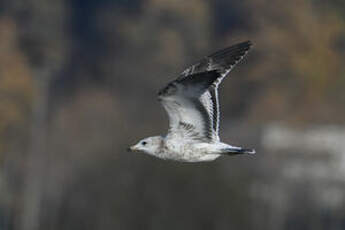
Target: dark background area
[[78, 84]]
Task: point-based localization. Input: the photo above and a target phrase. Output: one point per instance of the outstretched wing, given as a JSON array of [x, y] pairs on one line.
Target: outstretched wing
[[187, 102], [222, 61]]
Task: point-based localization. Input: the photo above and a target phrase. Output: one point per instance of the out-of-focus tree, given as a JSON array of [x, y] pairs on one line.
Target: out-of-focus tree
[[15, 86], [40, 26], [164, 35], [16, 95], [300, 66]]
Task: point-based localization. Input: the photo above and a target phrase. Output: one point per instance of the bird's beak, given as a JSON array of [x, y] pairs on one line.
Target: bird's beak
[[132, 148]]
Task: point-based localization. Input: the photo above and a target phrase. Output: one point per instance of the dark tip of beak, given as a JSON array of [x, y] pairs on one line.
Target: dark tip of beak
[[129, 149]]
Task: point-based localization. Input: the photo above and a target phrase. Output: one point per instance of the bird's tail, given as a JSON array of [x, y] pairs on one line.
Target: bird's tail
[[238, 150]]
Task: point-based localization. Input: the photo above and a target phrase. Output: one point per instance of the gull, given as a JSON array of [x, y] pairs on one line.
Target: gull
[[191, 102]]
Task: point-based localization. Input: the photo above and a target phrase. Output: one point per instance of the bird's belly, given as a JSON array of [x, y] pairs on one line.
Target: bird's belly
[[187, 153]]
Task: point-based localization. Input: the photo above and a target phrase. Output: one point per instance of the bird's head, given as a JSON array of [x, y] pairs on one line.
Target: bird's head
[[149, 145]]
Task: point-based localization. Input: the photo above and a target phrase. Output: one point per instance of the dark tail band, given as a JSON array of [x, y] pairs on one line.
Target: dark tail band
[[235, 151]]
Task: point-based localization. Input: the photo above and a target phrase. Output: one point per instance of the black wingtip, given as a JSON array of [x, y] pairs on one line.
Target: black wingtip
[[249, 43], [246, 45], [232, 52]]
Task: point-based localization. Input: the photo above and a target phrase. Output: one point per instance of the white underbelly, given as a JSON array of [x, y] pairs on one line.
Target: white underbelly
[[187, 153]]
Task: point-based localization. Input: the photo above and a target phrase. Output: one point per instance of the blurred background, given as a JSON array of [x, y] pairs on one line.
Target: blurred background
[[78, 84]]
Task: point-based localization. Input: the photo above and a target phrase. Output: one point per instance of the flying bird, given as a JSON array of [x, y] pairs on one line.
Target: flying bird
[[191, 102]]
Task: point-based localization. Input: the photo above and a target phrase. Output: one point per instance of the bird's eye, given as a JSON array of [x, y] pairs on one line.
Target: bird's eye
[[144, 143]]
